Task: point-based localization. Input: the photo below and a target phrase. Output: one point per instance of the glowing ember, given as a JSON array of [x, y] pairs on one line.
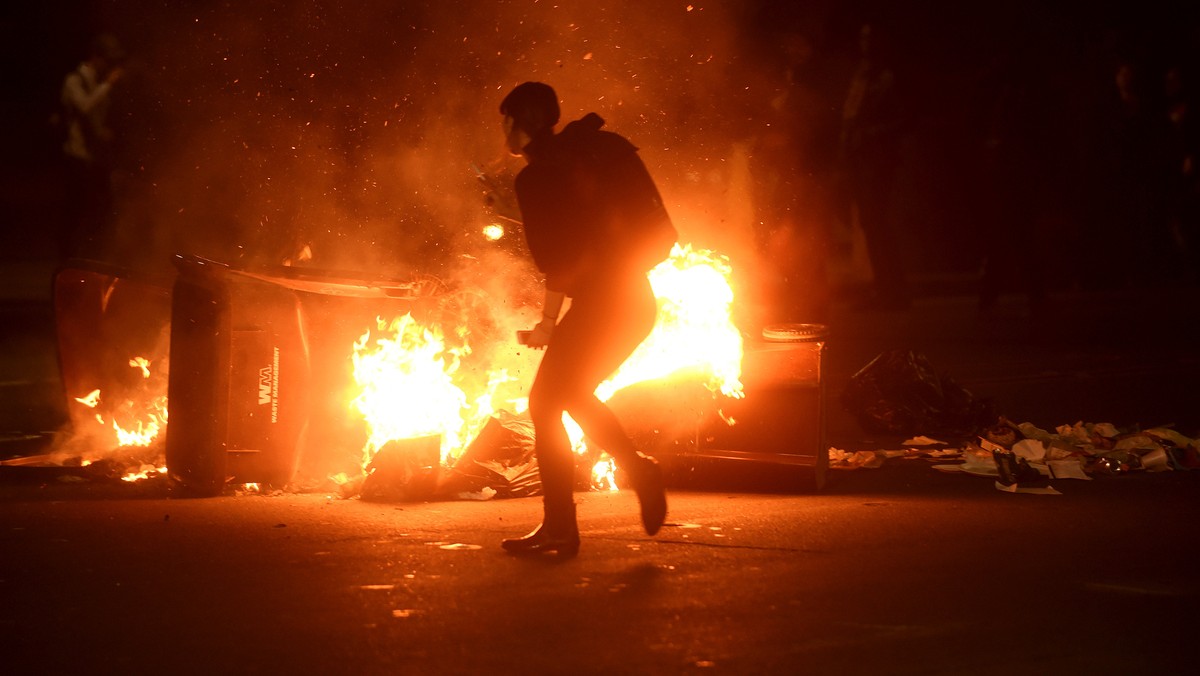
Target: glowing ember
[[145, 472], [493, 231]]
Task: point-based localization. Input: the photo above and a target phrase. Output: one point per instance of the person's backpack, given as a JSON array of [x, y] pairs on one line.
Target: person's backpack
[[615, 183]]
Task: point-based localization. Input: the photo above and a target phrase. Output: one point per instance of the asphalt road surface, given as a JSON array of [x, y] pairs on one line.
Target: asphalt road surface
[[896, 570], [899, 570]]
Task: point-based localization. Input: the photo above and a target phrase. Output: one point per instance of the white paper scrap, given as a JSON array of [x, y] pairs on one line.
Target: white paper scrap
[[1032, 490], [1067, 469]]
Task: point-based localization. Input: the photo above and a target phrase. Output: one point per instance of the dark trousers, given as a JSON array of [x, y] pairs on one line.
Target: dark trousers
[[597, 334], [88, 207], [871, 185]]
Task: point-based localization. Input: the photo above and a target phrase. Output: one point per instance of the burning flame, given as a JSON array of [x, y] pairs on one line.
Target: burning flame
[[143, 364], [135, 423], [91, 399], [407, 374], [141, 427], [404, 372], [694, 334], [145, 472], [604, 475]]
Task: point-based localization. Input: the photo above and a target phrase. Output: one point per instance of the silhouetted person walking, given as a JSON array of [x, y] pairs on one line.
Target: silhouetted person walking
[[595, 225], [1015, 173]]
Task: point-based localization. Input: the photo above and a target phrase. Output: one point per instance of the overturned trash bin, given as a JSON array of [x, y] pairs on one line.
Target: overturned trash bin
[[254, 356], [112, 327]]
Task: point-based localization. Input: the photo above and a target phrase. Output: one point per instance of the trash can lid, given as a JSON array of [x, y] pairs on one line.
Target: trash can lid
[[794, 333]]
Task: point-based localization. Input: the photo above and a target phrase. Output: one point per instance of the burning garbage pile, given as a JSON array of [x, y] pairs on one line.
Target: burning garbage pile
[[126, 439], [279, 382], [113, 333], [117, 437], [435, 428]]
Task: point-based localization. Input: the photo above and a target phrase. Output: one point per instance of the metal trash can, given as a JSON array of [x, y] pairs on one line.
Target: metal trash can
[[105, 316], [781, 418], [256, 359], [708, 439]]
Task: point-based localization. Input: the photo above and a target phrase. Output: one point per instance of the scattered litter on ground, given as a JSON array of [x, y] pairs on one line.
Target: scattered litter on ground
[[1023, 458]]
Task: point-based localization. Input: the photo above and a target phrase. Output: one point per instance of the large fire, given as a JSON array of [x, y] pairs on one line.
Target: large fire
[[411, 381], [407, 380]]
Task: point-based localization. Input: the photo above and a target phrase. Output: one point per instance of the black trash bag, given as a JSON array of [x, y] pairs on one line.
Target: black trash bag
[[501, 457], [899, 392]]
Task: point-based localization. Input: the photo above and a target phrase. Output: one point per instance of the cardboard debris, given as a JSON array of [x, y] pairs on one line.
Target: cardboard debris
[[501, 459]]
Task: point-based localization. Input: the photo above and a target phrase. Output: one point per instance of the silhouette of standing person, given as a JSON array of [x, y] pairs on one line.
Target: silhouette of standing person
[[595, 225], [87, 148], [1183, 160], [872, 125], [1015, 176], [1136, 192], [790, 163]]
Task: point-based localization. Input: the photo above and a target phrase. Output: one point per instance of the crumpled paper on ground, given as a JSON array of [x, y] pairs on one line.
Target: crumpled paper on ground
[[1157, 449], [1070, 452]]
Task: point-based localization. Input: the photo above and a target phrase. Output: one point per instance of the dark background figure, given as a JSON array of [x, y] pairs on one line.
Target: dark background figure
[[595, 225], [1015, 173], [1183, 156], [790, 167], [88, 146], [1131, 234], [873, 124]]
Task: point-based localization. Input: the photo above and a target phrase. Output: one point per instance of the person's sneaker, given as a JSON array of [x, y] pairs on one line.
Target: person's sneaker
[[647, 479]]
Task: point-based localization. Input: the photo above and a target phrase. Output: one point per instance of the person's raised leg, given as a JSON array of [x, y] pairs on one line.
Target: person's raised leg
[[601, 425]]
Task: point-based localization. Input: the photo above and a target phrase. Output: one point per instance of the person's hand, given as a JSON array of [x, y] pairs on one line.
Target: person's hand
[[540, 336], [114, 75]]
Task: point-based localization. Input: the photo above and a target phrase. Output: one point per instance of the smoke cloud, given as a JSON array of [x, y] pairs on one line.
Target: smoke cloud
[[254, 129]]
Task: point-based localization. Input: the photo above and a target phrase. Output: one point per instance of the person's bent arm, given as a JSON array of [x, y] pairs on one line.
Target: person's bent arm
[[551, 307], [76, 97]]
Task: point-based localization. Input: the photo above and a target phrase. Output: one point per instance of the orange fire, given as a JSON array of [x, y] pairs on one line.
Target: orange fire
[[694, 335], [134, 423], [407, 376]]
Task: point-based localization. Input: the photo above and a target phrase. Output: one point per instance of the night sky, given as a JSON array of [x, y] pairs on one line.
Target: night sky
[[250, 129]]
